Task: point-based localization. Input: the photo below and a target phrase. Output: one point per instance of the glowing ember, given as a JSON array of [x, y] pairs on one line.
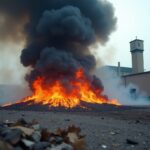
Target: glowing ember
[[57, 94]]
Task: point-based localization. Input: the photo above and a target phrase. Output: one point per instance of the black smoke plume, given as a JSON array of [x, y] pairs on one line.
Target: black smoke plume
[[58, 35]]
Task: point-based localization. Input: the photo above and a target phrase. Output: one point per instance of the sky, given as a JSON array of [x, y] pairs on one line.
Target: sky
[[133, 20]]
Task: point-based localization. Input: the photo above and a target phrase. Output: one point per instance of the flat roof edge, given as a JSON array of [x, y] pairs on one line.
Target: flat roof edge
[[147, 72]]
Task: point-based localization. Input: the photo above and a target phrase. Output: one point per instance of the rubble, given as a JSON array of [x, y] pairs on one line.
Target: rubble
[[131, 142], [114, 132], [104, 146], [22, 135]]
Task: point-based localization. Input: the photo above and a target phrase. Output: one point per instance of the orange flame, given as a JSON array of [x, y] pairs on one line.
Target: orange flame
[[56, 95]]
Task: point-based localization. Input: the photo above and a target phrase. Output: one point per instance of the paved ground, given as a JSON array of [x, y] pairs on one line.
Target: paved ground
[[104, 130]]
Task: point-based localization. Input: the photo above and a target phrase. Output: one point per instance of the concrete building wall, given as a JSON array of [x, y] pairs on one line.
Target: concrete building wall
[[137, 62], [141, 80]]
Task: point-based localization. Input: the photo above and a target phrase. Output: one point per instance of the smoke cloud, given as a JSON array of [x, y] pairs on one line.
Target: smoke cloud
[[58, 34], [115, 89]]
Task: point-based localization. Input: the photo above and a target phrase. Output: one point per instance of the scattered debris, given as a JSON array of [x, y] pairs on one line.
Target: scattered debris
[[131, 142], [22, 135], [25, 130], [67, 120], [113, 133], [137, 121], [104, 146], [27, 143]]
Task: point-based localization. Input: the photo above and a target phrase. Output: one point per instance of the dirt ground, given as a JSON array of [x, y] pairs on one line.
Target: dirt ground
[[110, 130]]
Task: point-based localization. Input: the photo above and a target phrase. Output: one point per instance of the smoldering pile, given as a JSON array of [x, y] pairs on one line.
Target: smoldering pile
[[58, 34], [83, 107], [22, 135]]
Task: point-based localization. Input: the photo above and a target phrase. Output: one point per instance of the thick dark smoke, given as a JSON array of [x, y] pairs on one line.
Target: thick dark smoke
[[59, 33]]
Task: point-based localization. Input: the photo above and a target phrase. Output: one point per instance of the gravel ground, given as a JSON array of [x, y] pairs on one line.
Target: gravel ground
[[104, 130]]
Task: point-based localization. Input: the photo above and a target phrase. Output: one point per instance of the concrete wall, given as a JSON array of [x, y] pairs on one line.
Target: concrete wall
[[137, 62], [142, 80]]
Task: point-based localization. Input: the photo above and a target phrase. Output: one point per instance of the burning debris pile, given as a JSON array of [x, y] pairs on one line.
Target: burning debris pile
[[58, 36], [57, 96], [22, 135]]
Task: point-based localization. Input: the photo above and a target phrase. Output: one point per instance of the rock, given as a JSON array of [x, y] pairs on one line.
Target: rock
[[79, 144], [8, 123], [52, 140], [27, 143], [59, 132], [5, 146], [63, 146], [13, 136], [59, 140], [41, 145], [2, 125], [26, 131], [4, 131], [36, 127], [72, 137], [104, 146], [17, 148], [131, 142], [113, 133], [28, 136], [21, 122], [45, 135], [74, 129], [137, 121], [36, 136]]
